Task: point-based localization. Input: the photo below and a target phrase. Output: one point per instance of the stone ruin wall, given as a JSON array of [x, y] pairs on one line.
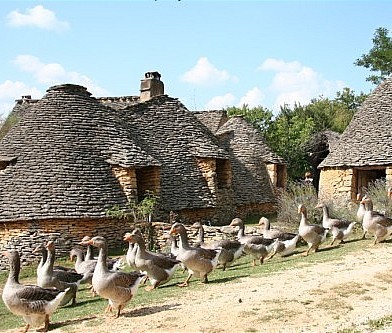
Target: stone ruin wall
[[336, 184], [127, 179], [24, 236], [339, 185]]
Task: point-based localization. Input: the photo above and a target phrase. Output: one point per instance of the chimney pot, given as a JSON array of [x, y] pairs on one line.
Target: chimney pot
[[151, 86]]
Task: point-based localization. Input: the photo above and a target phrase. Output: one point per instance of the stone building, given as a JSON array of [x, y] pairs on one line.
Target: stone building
[[363, 152], [70, 158]]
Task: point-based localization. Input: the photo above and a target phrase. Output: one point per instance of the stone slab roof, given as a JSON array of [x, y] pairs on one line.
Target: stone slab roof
[[251, 139], [62, 148], [249, 153], [176, 137], [212, 119], [367, 140]]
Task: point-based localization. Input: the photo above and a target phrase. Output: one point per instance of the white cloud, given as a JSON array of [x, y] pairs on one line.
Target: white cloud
[[10, 91], [252, 98], [294, 82], [220, 102], [39, 17], [205, 73], [53, 73]]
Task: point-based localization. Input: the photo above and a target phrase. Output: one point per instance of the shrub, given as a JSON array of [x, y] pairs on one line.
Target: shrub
[[289, 199]]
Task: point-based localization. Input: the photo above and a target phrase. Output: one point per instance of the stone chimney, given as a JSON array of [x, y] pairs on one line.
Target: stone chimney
[[151, 86]]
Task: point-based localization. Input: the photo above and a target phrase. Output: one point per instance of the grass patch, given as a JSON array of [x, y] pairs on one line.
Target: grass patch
[[349, 289]]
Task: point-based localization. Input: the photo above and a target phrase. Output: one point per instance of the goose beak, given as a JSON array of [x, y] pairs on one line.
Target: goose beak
[[89, 242], [127, 237]]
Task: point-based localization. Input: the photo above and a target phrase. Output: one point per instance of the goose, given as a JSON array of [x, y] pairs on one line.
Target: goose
[[340, 234], [329, 222], [231, 249], [114, 264], [132, 249], [361, 208], [117, 287], [284, 248], [158, 267], [89, 249], [259, 251], [48, 277], [312, 234], [199, 262], [33, 303], [82, 265], [41, 249], [274, 233], [375, 223], [244, 239], [339, 228]]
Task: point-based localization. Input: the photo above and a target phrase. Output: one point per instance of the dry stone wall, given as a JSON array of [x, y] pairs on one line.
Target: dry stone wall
[[25, 236]]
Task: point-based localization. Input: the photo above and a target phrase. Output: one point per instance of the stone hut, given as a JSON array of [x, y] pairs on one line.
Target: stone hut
[[249, 140], [318, 148], [70, 158], [363, 152]]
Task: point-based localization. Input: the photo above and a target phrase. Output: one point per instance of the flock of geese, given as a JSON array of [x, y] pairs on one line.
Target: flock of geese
[[57, 286]]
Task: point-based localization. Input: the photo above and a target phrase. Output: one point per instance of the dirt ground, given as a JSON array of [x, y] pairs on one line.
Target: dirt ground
[[326, 297]]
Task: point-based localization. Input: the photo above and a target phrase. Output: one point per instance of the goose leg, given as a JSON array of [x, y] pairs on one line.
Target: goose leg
[[120, 307], [364, 235], [204, 280], [26, 328], [46, 325], [149, 288], [185, 283]]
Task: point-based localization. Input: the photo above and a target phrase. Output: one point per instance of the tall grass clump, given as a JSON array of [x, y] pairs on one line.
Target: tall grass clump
[[377, 191], [288, 200]]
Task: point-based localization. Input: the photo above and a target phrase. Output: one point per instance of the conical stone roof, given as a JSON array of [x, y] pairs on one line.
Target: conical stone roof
[[62, 150], [367, 140]]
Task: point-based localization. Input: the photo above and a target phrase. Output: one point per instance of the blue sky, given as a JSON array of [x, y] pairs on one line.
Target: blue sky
[[211, 54]]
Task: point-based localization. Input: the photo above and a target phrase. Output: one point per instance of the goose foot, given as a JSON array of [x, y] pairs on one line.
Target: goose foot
[[109, 308], [118, 312], [149, 288], [184, 284], [46, 326]]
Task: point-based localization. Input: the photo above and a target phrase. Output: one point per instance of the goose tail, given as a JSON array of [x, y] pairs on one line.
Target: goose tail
[[56, 302]]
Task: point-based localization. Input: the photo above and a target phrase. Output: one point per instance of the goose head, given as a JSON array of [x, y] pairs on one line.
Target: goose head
[[236, 222], [301, 209], [177, 228], [97, 241], [263, 221]]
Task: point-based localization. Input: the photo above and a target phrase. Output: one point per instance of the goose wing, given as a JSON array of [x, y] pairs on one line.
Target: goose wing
[[31, 293], [124, 279]]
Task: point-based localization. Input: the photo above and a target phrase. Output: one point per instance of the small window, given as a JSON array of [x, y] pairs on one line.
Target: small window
[[6, 161], [223, 173]]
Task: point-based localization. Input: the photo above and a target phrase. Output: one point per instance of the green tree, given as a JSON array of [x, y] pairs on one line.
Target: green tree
[[259, 116], [287, 135], [379, 58]]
